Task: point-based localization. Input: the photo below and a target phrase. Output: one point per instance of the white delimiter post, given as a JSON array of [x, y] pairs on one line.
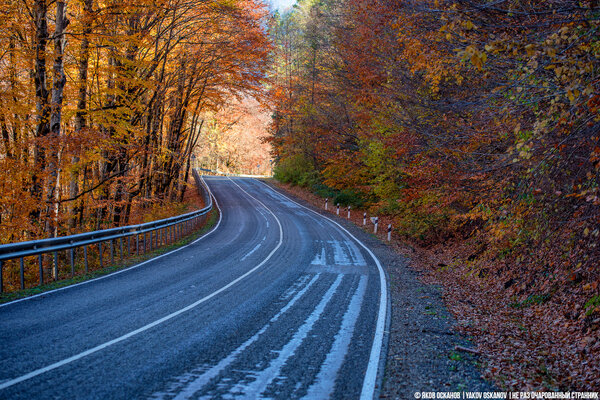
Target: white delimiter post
[[376, 222], [338, 209], [364, 219], [326, 201], [349, 212], [389, 232]]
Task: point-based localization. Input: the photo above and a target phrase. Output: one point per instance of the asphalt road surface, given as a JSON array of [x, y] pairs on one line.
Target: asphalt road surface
[[276, 302]]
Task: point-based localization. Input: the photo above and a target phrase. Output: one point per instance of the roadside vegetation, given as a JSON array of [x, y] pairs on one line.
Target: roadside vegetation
[[472, 126], [102, 105]]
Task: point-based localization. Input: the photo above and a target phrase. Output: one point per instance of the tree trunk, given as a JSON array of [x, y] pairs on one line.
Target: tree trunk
[[80, 115], [59, 81], [40, 11]]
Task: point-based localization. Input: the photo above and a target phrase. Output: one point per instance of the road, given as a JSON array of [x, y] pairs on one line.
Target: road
[[275, 302]]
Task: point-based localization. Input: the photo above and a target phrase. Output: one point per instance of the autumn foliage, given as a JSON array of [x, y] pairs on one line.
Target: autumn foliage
[[461, 120], [103, 102]]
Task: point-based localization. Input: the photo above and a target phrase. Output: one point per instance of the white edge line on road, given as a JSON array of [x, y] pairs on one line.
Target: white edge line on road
[[144, 328], [368, 388], [125, 269]]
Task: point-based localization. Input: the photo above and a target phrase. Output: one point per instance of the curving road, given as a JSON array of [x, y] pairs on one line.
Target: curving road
[[276, 302]]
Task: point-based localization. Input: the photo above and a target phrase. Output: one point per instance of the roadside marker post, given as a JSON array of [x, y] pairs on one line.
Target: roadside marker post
[[375, 221], [364, 219], [389, 232], [349, 212], [338, 209], [326, 203]]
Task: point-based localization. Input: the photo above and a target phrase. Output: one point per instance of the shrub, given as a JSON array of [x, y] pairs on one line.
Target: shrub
[[296, 170], [349, 197]]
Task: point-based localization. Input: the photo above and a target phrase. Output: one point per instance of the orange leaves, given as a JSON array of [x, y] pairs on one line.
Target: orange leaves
[[142, 77]]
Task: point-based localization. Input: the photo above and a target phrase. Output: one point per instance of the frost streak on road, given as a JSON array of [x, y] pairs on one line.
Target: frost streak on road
[[192, 386], [325, 382]]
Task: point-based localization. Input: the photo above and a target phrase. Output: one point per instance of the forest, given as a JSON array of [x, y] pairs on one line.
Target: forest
[[102, 104], [473, 126]]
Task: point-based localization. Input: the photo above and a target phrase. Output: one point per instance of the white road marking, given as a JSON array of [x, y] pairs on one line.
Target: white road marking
[[320, 259], [355, 254], [251, 251], [199, 382], [263, 378], [325, 380], [144, 328], [369, 381], [128, 268]]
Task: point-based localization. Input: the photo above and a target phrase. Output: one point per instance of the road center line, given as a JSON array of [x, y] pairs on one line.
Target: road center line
[[250, 252], [151, 325]]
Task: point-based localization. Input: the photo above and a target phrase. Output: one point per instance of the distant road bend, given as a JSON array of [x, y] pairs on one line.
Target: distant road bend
[[276, 302]]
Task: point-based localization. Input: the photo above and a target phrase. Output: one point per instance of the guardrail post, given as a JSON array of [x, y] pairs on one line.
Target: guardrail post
[[150, 240], [85, 258], [112, 251], [72, 253], [22, 274], [41, 266], [145, 242], [121, 245], [100, 253], [137, 243], [55, 272], [1, 281]]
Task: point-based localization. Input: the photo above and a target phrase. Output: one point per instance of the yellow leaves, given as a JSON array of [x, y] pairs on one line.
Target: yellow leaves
[[573, 95], [468, 25], [517, 129], [476, 57], [558, 71], [530, 50]]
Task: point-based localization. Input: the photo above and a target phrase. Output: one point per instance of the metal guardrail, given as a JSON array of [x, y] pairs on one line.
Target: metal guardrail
[[217, 172], [169, 231]]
